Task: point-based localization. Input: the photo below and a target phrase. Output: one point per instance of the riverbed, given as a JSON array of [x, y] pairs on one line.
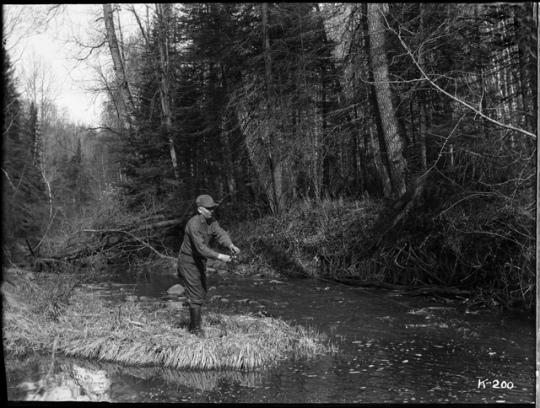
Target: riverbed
[[391, 349]]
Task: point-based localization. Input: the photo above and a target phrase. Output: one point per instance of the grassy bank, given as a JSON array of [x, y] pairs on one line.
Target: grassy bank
[[37, 319], [483, 246]]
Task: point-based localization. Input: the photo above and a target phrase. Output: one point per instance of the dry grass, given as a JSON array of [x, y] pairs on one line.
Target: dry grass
[[128, 334]]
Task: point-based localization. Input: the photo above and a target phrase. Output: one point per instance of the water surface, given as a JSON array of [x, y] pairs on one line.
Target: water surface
[[391, 349]]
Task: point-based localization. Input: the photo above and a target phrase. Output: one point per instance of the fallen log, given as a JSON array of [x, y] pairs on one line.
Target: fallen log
[[405, 289], [159, 224], [105, 240], [436, 290], [372, 284], [134, 238]]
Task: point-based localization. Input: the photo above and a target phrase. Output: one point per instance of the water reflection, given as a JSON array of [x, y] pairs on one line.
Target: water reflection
[[77, 380], [67, 381]]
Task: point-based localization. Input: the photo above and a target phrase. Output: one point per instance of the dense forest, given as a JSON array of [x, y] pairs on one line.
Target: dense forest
[[379, 142]]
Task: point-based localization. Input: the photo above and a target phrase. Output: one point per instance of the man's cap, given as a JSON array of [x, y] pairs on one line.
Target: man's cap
[[205, 201]]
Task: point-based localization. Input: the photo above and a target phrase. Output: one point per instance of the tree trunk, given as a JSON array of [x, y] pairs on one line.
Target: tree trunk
[[377, 161], [224, 133], [240, 159], [391, 142], [127, 107], [163, 12], [526, 81], [274, 159], [422, 105]]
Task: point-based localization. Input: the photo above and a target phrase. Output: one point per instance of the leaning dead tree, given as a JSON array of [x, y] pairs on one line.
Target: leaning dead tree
[[127, 104]]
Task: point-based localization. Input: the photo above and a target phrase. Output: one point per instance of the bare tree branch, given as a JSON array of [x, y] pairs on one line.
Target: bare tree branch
[[468, 106], [133, 237]]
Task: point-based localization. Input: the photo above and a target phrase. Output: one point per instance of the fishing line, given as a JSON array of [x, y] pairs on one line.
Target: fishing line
[[338, 283], [356, 288]]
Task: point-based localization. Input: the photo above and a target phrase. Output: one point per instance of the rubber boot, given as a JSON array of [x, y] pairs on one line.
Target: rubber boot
[[192, 316], [195, 324]]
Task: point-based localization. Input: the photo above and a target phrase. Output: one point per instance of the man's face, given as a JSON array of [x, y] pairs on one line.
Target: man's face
[[207, 213]]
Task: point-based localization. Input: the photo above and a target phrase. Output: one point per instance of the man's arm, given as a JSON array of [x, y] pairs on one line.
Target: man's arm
[[197, 240], [222, 237]]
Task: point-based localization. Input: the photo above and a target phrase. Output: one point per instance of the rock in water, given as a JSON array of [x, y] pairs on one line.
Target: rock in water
[[176, 290], [169, 297]]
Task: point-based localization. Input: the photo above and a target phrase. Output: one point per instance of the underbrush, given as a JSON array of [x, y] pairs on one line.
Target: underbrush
[[303, 238], [106, 233], [37, 319], [470, 242]]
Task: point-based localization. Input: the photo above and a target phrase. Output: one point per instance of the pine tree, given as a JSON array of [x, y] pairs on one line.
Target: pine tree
[[24, 195]]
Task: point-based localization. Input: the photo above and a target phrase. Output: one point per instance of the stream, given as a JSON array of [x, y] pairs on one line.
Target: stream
[[391, 349]]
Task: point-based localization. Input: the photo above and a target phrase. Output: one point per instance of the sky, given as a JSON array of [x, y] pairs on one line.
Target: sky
[[56, 43]]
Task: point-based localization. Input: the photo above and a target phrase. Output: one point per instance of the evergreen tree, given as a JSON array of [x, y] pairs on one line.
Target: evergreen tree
[[23, 190]]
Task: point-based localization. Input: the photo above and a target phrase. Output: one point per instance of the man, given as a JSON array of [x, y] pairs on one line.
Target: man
[[193, 255]]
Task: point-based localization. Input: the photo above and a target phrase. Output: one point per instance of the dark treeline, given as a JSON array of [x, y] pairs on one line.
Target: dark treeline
[[430, 108], [275, 102]]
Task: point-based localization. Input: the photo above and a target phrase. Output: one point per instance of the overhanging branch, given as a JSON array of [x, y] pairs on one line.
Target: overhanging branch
[[472, 108]]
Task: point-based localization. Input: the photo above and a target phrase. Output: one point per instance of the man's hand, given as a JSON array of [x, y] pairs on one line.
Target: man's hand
[[235, 250], [224, 258]]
